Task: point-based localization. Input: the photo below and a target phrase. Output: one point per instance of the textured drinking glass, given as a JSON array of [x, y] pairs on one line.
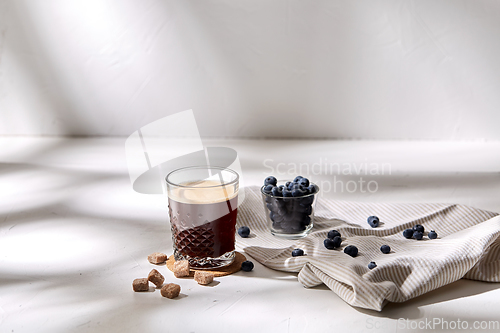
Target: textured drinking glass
[[203, 204], [290, 217]]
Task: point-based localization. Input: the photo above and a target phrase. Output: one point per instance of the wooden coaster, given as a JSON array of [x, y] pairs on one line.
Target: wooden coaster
[[233, 268]]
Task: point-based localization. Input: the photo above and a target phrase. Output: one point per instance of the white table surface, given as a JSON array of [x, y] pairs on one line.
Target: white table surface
[[74, 235]]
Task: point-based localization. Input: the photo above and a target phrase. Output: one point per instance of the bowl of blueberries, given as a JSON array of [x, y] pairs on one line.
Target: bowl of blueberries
[[289, 207]]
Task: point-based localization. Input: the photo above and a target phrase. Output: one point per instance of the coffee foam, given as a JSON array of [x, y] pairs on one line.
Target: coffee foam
[[202, 192]]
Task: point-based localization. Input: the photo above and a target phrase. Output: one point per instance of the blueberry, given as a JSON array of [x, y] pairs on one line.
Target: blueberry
[[277, 216], [271, 181], [372, 265], [351, 250], [296, 180], [287, 193], [385, 249], [306, 221], [297, 192], [292, 218], [333, 233], [332, 243], [312, 189], [280, 203], [306, 200], [298, 227], [373, 221], [297, 207], [307, 210], [304, 182], [297, 253], [432, 234], [328, 243], [418, 227], [287, 184], [408, 233], [247, 266], [277, 192], [418, 235], [268, 189], [244, 231], [281, 187]]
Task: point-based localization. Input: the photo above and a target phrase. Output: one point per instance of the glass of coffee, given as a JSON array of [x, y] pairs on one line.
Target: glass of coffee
[[203, 204]]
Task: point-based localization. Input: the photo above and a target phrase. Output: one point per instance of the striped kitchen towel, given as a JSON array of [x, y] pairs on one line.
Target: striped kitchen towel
[[468, 246]]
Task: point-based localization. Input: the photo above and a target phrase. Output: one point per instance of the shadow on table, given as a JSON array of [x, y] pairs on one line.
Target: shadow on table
[[411, 308]]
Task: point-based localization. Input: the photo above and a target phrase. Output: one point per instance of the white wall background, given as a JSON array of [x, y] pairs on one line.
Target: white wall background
[[255, 68]]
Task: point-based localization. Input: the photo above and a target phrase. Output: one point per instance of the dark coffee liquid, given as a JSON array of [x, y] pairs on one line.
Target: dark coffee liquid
[[202, 230]]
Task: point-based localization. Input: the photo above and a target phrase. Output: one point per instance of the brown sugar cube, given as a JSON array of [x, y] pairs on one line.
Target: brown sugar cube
[[203, 277], [157, 258], [170, 290], [140, 284], [156, 277], [181, 268]]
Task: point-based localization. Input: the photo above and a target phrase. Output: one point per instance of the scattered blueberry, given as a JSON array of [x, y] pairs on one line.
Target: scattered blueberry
[[432, 234], [271, 181], [297, 179], [328, 243], [333, 233], [373, 221], [418, 235], [351, 250], [337, 241], [372, 265], [247, 266], [408, 233], [334, 243], [244, 231], [418, 227], [385, 249], [297, 253], [304, 182], [277, 192]]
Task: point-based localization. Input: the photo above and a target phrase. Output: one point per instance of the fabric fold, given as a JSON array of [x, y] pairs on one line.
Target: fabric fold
[[468, 246]]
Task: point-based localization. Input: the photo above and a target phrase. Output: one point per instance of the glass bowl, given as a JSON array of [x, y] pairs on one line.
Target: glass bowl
[[290, 217]]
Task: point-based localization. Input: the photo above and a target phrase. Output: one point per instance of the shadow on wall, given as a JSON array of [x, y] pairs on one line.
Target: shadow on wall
[[332, 69], [79, 69], [45, 106]]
